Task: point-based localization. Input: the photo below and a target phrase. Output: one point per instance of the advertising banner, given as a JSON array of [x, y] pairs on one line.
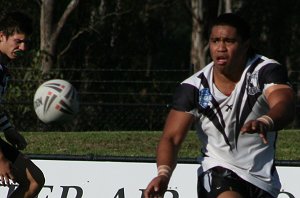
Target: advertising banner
[[104, 179]]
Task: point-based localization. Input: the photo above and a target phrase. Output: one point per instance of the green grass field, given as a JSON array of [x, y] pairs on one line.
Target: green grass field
[[133, 144]]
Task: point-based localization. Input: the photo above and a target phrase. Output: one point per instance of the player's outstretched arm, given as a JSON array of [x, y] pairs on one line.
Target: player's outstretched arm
[[11, 134], [281, 100], [15, 138], [176, 128]]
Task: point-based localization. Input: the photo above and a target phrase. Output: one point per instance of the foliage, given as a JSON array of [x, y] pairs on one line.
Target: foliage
[[139, 36]]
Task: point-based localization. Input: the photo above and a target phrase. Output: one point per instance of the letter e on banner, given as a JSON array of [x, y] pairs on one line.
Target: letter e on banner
[[65, 192]]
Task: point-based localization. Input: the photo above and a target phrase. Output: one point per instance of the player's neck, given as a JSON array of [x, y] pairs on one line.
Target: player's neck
[[226, 82]]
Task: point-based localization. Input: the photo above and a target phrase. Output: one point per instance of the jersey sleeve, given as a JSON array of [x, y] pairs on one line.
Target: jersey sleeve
[[185, 97], [4, 122], [274, 74]]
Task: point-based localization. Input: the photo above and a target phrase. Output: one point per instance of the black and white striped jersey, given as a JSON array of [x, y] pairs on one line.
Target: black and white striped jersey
[[219, 119], [4, 79]]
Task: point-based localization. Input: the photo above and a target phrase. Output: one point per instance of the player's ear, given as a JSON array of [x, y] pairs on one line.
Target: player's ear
[[2, 35], [247, 45]]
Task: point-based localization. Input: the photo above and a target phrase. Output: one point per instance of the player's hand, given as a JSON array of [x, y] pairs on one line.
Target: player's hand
[[5, 171], [15, 138], [157, 187], [255, 126]]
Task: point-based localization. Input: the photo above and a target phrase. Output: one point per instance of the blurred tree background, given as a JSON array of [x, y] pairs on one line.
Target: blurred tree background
[[125, 57]]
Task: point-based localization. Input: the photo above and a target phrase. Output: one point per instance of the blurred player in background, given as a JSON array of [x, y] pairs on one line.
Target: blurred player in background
[[238, 102], [15, 27]]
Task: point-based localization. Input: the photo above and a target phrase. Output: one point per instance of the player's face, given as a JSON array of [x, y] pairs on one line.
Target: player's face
[[227, 48], [13, 44]]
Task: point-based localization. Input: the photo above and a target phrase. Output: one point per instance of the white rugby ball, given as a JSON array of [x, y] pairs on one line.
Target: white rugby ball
[[56, 101]]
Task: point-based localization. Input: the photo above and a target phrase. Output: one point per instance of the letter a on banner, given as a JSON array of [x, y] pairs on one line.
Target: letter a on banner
[[120, 193]]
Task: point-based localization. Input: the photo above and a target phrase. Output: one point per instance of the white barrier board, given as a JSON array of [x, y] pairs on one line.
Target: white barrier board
[[96, 179]]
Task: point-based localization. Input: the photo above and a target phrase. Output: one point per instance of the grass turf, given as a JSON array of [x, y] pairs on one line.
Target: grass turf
[[134, 144]]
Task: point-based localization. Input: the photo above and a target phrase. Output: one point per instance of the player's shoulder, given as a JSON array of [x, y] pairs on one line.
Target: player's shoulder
[[262, 61], [269, 66], [267, 60], [195, 79], [262, 64]]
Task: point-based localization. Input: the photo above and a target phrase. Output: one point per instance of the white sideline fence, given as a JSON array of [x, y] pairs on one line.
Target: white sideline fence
[[128, 179]]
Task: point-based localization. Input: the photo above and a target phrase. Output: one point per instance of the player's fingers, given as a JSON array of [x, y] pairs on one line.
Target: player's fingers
[[11, 177], [149, 191], [263, 136], [246, 127], [256, 127], [156, 195], [155, 192], [264, 139], [7, 180], [152, 192], [249, 127], [262, 132], [4, 180]]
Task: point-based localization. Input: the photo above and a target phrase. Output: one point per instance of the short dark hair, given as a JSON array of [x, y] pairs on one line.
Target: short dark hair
[[234, 20], [16, 22]]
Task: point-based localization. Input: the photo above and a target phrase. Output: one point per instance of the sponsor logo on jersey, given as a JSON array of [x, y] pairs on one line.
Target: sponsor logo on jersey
[[204, 97], [252, 83]]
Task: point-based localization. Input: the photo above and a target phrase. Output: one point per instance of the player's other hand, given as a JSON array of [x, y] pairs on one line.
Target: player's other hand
[[255, 126], [15, 138], [157, 187], [5, 171]]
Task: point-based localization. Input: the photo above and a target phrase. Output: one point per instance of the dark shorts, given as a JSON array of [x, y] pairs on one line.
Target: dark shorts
[[10, 152], [218, 180]]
